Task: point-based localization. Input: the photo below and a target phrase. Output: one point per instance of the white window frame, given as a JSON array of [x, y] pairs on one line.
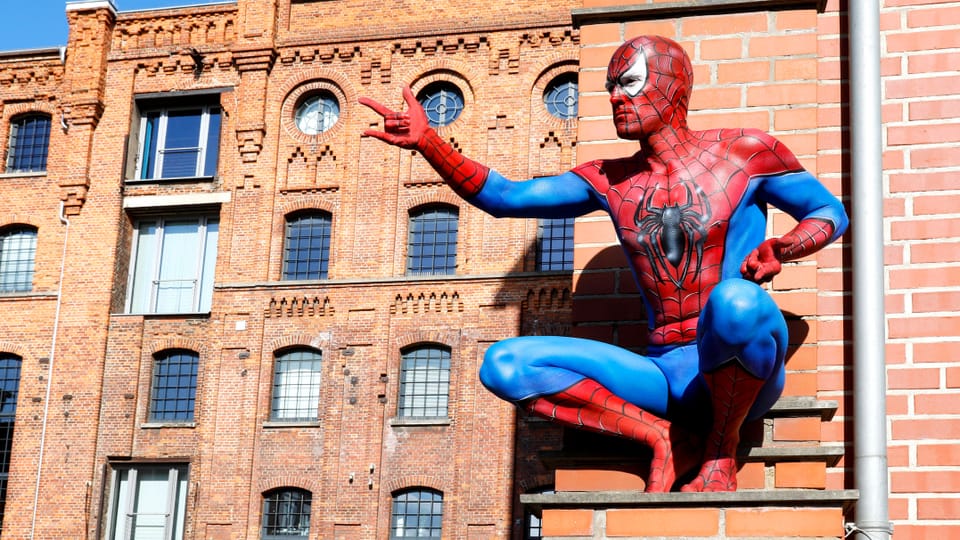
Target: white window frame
[[205, 256], [161, 137], [121, 510]]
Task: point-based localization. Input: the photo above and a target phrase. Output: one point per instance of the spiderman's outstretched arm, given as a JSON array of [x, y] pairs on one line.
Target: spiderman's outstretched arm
[[559, 196]]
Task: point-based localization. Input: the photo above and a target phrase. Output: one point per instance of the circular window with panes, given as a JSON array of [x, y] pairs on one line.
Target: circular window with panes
[[561, 96], [442, 101], [317, 112]]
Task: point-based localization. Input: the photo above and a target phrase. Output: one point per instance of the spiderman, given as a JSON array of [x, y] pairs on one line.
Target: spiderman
[[689, 209]]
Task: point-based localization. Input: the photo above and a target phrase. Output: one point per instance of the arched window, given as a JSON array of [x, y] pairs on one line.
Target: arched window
[[18, 249], [424, 382], [306, 248], [296, 386], [174, 390], [286, 514], [9, 390], [29, 141], [442, 101], [417, 512], [561, 97], [317, 112], [432, 241]]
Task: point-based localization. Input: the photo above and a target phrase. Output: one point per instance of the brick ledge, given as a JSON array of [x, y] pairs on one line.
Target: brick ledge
[[636, 499]]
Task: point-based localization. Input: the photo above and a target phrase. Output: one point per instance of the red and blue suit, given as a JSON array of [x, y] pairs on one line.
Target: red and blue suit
[[690, 210]]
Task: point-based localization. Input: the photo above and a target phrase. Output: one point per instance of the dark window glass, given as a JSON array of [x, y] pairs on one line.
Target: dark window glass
[[555, 244], [179, 142], [534, 519], [306, 250], [442, 101], [174, 389], [286, 514], [417, 513], [432, 244], [424, 382], [9, 389], [296, 386], [29, 140], [18, 249], [561, 96]]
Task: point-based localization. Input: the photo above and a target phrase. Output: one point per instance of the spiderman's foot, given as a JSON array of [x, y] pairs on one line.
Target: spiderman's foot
[[673, 457], [719, 474]]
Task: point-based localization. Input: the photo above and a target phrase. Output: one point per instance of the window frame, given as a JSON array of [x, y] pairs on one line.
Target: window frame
[[546, 259], [8, 414], [305, 494], [325, 238], [416, 372], [420, 264], [15, 150], [202, 277], [176, 507], [22, 277], [154, 413], [399, 501], [438, 94], [208, 148], [566, 82], [316, 387]]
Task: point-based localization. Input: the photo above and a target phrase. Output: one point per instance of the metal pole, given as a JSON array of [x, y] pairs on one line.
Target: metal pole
[[869, 327]]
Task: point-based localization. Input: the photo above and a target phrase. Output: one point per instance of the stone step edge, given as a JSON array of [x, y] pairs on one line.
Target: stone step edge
[[597, 500], [803, 406], [828, 453]]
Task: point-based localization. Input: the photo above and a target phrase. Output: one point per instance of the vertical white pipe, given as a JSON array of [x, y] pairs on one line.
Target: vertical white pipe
[[869, 327]]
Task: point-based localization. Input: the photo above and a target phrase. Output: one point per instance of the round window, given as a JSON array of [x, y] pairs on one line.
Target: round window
[[317, 113], [561, 96], [442, 101]]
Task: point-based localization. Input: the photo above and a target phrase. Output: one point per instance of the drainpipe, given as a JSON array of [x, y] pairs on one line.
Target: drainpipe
[[869, 326], [53, 351]]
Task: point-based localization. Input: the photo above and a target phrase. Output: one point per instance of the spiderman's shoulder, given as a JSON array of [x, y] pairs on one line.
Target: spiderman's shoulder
[[759, 152], [603, 173]]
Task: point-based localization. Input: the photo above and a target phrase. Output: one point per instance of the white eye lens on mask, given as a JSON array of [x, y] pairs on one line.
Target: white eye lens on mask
[[635, 77]]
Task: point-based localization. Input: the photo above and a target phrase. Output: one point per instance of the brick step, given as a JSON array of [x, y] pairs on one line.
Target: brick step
[[767, 514]]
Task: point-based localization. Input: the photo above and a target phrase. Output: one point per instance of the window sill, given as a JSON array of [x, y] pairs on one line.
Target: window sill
[[279, 424], [161, 425], [171, 179], [184, 315], [22, 174], [400, 421]]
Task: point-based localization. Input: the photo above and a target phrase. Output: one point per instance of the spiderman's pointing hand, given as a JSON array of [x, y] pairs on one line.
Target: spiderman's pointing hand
[[403, 129]]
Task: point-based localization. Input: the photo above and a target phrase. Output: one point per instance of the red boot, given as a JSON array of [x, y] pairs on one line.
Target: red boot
[[733, 391], [588, 405]]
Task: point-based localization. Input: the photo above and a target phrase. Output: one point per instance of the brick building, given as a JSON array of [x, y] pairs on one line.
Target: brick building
[[230, 315]]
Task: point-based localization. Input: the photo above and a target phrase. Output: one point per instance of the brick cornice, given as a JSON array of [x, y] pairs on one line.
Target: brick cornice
[[607, 14], [254, 59]]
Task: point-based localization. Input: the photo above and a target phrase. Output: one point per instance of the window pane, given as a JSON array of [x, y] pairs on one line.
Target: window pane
[[213, 143], [179, 265], [306, 251], [442, 101], [149, 503], [424, 382], [174, 387], [9, 390], [417, 513], [432, 242], [286, 513], [151, 135], [555, 244], [29, 140], [296, 386], [18, 248], [561, 97], [209, 258]]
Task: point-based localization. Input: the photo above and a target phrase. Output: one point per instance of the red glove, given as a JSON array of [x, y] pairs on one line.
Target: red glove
[[764, 262]]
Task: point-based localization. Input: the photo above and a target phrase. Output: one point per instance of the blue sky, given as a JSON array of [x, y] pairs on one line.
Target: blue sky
[[30, 24]]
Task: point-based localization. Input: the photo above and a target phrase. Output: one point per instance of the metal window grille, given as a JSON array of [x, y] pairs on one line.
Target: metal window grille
[[443, 103], [418, 513], [18, 248], [432, 243], [286, 513], [555, 244], [29, 140], [9, 389], [306, 249], [424, 382], [174, 387], [296, 386], [562, 97]]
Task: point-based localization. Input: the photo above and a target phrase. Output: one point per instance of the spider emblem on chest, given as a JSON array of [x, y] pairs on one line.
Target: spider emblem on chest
[[673, 232]]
